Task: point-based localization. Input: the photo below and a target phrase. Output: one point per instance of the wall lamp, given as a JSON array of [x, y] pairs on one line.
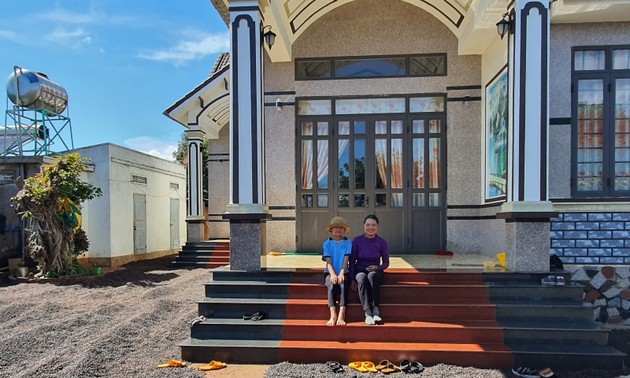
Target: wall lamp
[[268, 36], [505, 25]]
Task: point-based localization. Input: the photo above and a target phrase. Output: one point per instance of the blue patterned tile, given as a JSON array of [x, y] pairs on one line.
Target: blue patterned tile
[[574, 252], [587, 260], [565, 243], [621, 234], [600, 252], [563, 226], [611, 243], [575, 217], [621, 217], [576, 234], [601, 217], [587, 243], [560, 218], [556, 235], [611, 225], [568, 260], [625, 252], [599, 234], [587, 225], [611, 260], [556, 251]]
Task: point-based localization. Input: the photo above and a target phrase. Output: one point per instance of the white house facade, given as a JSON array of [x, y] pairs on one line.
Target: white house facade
[[457, 137]]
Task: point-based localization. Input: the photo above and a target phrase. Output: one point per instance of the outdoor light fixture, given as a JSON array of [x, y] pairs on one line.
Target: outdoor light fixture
[[269, 36], [505, 25], [278, 104]]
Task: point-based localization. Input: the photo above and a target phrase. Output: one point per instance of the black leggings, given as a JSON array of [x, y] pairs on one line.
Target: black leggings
[[368, 286], [337, 292]]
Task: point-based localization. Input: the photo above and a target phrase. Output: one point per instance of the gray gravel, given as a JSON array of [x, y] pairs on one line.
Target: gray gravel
[[126, 322]]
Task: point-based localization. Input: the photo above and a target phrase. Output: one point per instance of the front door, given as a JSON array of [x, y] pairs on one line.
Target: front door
[[391, 165]]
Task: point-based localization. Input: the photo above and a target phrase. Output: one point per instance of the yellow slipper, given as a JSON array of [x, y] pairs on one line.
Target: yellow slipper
[[213, 365], [369, 366], [172, 363], [358, 366]]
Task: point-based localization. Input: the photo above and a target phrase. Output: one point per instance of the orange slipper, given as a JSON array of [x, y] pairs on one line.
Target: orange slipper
[[172, 363], [358, 366], [369, 366], [213, 365]]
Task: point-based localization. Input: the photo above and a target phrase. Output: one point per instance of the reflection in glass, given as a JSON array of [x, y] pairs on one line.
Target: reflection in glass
[[344, 200], [397, 164], [370, 67], [380, 127], [313, 69], [426, 104], [380, 150], [397, 126], [359, 127], [370, 105], [434, 126], [307, 164], [622, 133], [434, 199], [322, 164], [434, 163], [621, 59], [359, 164], [307, 200], [590, 135], [322, 200], [418, 126], [344, 164], [344, 128], [322, 128], [590, 60], [418, 200], [359, 200], [314, 107], [397, 200], [381, 199], [307, 128], [418, 163], [430, 65]]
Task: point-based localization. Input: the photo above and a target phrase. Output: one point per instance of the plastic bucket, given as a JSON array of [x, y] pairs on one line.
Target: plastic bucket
[[502, 257]]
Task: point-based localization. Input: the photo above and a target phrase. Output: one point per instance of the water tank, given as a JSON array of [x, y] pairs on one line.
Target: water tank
[[35, 91]]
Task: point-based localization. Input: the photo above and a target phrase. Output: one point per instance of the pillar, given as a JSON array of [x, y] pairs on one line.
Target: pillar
[[247, 211], [528, 210], [195, 217]]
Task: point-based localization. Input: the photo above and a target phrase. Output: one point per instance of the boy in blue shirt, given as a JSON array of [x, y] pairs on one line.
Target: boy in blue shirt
[[336, 254]]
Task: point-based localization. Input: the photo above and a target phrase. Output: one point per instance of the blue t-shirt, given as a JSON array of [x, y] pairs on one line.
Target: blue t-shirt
[[336, 250]]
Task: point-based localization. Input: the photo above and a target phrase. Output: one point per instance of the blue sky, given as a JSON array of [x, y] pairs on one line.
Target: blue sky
[[122, 62]]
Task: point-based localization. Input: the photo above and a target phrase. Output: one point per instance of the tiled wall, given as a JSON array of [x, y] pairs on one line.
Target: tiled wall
[[591, 238]]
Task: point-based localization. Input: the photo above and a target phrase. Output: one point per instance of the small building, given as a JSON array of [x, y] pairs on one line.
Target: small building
[[476, 126], [141, 213]]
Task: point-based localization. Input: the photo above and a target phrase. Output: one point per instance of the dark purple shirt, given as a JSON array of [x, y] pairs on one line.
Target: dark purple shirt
[[366, 252]]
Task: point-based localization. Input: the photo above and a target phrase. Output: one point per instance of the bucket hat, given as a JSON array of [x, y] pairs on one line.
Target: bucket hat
[[337, 222]]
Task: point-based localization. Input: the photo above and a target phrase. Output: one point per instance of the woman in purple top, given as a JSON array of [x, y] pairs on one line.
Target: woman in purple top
[[369, 259]]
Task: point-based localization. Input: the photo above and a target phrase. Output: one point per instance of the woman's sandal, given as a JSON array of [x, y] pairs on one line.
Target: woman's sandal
[[369, 366], [335, 366], [416, 368]]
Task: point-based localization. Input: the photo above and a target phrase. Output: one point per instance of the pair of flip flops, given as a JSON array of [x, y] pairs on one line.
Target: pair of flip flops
[[387, 367], [412, 367], [213, 365], [363, 366], [256, 316], [335, 366], [172, 363]]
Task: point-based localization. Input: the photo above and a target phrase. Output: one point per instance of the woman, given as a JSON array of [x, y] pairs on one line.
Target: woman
[[370, 257]]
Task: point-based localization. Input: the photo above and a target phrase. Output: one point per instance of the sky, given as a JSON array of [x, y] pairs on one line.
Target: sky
[[122, 62]]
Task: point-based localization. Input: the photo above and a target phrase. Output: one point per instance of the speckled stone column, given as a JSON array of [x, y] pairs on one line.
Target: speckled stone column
[[527, 246], [248, 241]]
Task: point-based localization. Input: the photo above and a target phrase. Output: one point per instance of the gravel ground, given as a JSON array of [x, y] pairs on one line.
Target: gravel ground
[[128, 320]]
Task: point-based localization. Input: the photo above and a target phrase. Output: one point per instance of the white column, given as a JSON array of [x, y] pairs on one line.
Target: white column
[[247, 173], [195, 218], [529, 67]]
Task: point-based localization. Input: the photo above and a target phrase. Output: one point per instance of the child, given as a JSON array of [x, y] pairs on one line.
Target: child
[[337, 250]]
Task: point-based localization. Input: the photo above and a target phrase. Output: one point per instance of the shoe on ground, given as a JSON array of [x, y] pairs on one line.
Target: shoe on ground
[[549, 281], [369, 320], [526, 372], [377, 318], [547, 373], [560, 281]]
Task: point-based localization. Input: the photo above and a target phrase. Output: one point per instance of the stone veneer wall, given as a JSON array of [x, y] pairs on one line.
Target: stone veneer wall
[[607, 290], [591, 238]]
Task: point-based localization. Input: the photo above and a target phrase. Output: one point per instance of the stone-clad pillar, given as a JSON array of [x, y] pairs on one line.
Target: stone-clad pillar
[[195, 218], [247, 210], [528, 210]]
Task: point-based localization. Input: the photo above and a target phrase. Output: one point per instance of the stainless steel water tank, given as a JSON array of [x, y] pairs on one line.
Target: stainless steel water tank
[[35, 91]]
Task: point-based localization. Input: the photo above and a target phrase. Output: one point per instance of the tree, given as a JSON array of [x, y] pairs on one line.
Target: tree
[[50, 202]]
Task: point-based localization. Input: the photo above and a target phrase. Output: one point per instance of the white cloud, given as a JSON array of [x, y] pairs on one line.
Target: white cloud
[[152, 146], [69, 17], [67, 37], [9, 35], [199, 47]]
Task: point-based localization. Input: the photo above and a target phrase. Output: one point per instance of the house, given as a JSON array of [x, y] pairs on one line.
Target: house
[[475, 126]]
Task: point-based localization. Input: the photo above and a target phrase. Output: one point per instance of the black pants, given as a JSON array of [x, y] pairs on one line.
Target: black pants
[[368, 286], [337, 292]]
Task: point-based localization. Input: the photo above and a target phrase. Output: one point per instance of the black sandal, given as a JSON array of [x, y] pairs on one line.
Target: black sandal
[[258, 315], [335, 366]]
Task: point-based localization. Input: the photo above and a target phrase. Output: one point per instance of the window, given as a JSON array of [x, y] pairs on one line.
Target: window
[[370, 67], [601, 122]]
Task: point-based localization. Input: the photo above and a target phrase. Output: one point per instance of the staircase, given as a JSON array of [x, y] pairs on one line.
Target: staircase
[[206, 254], [489, 320]]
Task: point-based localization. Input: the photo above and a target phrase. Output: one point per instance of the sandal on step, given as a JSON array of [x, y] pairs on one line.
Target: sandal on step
[[213, 365], [526, 372], [172, 363], [335, 366]]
